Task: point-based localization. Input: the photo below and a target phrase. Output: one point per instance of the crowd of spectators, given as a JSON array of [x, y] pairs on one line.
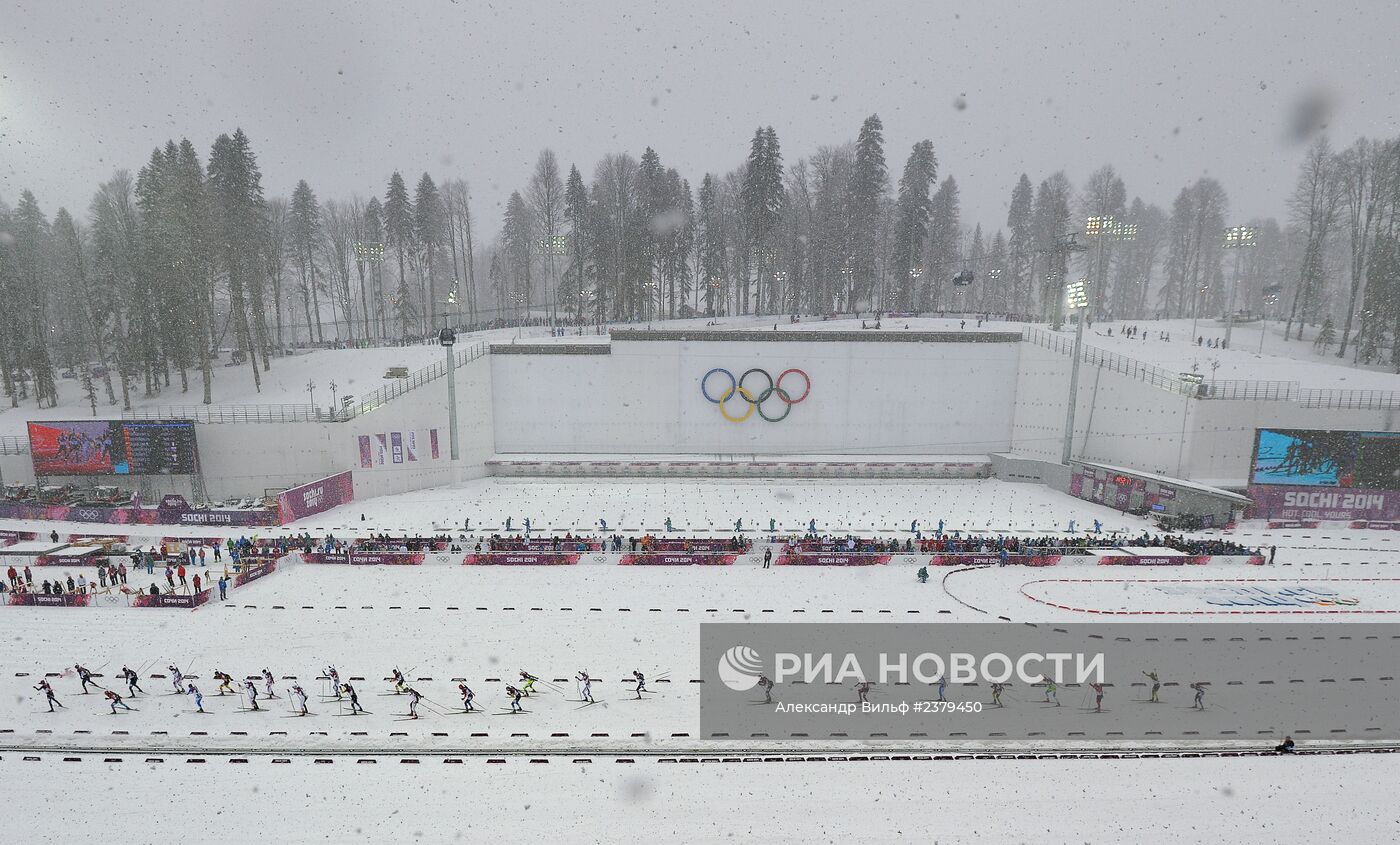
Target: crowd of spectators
[[956, 543]]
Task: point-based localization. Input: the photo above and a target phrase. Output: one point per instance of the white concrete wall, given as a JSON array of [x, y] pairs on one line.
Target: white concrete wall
[[866, 398], [1222, 439], [875, 398], [1118, 419]]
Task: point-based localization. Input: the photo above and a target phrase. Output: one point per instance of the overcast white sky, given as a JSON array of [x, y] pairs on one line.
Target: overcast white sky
[[342, 93]]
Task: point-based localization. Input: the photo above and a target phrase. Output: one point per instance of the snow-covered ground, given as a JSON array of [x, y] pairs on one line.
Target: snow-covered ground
[[707, 507], [1051, 801], [355, 372], [442, 622]]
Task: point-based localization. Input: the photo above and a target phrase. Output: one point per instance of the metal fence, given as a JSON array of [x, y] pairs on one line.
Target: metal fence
[[1257, 391], [215, 414], [12, 444], [1366, 400], [231, 413]]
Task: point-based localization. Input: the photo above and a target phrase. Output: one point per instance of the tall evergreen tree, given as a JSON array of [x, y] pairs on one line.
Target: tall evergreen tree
[[762, 199], [398, 234], [911, 221], [235, 186], [1020, 247], [306, 246], [869, 181], [714, 275], [576, 215], [517, 240], [429, 229]]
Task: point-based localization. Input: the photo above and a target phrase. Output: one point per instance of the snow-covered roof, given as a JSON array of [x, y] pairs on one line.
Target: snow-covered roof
[[32, 548], [1175, 482]]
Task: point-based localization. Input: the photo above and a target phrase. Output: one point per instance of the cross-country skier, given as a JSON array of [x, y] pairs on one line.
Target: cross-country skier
[[863, 691], [413, 699], [765, 684], [996, 694], [335, 680], [177, 678], [528, 682], [1156, 684], [1050, 690], [86, 677], [585, 687], [641, 682], [132, 682], [1098, 697], [225, 681], [514, 695], [1200, 688], [198, 697], [399, 684], [48, 694], [252, 693], [267, 683], [467, 696], [300, 695], [116, 701], [354, 698]]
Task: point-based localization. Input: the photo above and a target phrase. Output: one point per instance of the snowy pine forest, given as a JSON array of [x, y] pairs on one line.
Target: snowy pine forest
[[188, 265]]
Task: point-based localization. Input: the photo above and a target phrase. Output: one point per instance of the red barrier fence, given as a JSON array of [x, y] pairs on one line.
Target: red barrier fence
[[254, 572], [367, 558], [678, 559], [983, 559], [1178, 560], [521, 559], [47, 600], [171, 599], [832, 559]]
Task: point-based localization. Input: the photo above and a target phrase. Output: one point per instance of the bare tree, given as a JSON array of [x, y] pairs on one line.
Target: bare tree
[[1313, 208], [546, 198]]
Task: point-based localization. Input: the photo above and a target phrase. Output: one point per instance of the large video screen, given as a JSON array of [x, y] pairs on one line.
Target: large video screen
[[114, 447], [1361, 459]]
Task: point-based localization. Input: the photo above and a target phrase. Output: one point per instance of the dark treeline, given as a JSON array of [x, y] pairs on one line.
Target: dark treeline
[[188, 267]]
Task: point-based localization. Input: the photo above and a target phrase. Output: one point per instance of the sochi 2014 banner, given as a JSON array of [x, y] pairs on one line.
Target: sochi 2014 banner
[[521, 559], [678, 559], [386, 558], [1178, 560], [1306, 502], [183, 515], [316, 497], [171, 599], [1154, 560], [9, 538], [832, 559], [367, 558], [47, 600], [254, 572], [981, 559], [323, 557]]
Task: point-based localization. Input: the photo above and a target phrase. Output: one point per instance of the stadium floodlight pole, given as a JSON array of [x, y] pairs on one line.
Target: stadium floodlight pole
[[1077, 296], [1236, 238], [447, 338]]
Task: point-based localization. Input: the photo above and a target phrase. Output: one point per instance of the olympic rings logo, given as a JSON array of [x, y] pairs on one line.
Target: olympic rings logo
[[739, 387]]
